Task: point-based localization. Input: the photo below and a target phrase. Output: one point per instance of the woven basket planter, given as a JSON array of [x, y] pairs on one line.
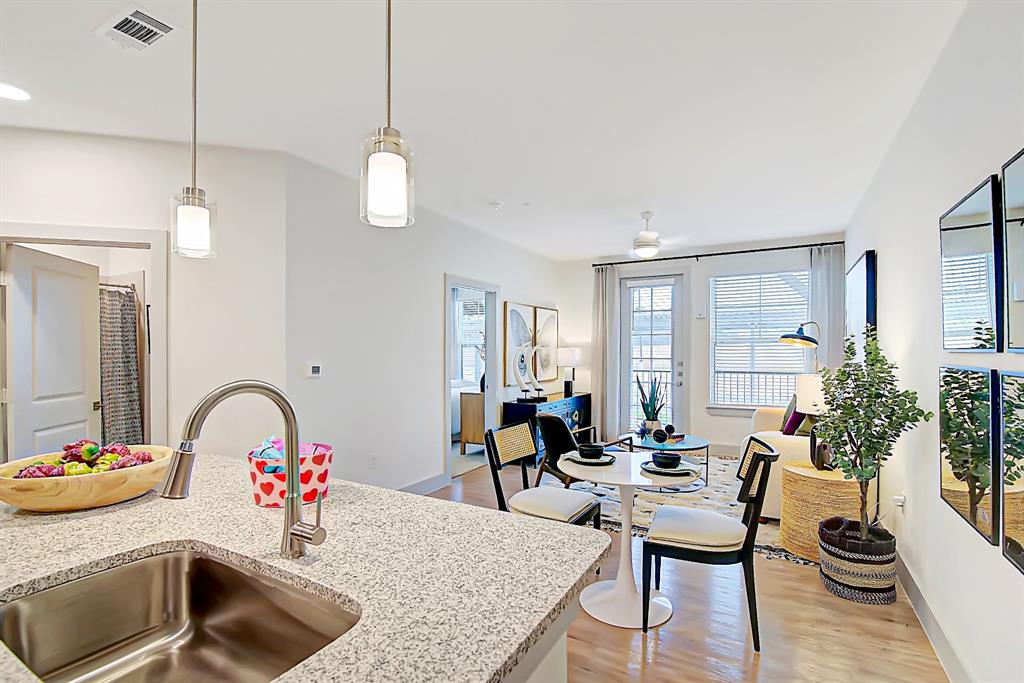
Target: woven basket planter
[[861, 571]]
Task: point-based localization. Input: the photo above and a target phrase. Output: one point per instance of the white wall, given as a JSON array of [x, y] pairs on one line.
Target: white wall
[[967, 121], [384, 383], [368, 303], [725, 429], [226, 315]]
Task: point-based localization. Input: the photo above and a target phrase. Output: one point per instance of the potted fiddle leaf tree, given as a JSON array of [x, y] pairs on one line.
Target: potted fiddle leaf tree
[[865, 415]]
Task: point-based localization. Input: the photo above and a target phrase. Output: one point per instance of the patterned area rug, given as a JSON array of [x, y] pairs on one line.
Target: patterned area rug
[[719, 495]]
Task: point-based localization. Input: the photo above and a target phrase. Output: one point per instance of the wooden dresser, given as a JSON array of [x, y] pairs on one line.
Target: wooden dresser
[[471, 419]]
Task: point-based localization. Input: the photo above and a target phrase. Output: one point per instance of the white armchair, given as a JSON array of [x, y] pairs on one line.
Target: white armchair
[[767, 426]]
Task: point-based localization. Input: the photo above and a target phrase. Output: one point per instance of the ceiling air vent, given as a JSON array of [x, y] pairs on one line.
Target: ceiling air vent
[[134, 28]]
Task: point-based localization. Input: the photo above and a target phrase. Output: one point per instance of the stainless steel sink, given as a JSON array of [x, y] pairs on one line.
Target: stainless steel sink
[[180, 616]]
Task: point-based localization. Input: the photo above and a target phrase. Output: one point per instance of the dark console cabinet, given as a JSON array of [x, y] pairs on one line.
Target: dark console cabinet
[[575, 410]]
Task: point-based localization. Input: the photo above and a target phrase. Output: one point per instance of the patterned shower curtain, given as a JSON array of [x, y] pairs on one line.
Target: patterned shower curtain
[[120, 378]]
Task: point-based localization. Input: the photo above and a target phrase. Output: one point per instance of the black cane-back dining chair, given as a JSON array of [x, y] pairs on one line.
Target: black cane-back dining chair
[[559, 440], [710, 537], [515, 444]]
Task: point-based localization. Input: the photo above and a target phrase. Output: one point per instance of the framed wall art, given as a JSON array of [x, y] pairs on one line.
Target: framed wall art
[[519, 327]]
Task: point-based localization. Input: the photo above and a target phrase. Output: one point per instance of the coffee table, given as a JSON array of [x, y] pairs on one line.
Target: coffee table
[[618, 602], [690, 444]]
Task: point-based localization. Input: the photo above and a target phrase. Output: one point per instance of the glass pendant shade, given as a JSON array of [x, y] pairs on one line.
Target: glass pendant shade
[[194, 220], [386, 181], [646, 244]]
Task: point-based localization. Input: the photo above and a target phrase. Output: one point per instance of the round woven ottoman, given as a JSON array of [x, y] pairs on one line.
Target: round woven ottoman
[[810, 495]]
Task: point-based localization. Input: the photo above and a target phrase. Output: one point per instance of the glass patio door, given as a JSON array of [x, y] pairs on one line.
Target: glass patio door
[[651, 348]]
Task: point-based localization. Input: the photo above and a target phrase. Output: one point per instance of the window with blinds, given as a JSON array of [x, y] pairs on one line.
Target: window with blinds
[[470, 316], [967, 300], [749, 367]]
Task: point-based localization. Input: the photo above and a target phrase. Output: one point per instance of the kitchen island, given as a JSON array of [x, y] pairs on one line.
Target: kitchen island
[[444, 592]]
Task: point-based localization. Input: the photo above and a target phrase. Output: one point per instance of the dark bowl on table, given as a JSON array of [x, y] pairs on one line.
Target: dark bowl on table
[[590, 451], [668, 461]]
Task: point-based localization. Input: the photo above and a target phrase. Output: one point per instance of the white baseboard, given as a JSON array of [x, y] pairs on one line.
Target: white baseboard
[[428, 485], [943, 648]]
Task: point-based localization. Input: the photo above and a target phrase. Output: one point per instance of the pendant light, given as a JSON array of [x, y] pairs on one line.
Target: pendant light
[[386, 178], [193, 215], [646, 243]]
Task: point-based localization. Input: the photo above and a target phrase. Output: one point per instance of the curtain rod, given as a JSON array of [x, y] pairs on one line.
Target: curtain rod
[[718, 253]]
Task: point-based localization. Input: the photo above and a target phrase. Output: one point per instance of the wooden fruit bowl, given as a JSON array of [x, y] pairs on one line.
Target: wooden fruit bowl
[[62, 494]]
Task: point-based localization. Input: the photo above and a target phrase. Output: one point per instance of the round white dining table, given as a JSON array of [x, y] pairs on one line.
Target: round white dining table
[[618, 602]]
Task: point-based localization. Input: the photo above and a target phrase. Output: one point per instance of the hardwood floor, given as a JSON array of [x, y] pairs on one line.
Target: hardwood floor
[[807, 634]]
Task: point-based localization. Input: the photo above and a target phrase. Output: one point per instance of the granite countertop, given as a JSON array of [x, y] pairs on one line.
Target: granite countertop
[[445, 591]]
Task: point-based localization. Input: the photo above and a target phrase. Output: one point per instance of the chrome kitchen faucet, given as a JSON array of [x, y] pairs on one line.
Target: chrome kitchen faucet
[[296, 532]]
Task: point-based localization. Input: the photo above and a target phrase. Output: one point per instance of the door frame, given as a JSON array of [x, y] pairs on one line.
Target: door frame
[[681, 380], [491, 368], [157, 242]]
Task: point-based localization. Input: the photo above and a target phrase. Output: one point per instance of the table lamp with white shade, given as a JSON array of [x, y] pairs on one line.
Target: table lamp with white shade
[[569, 357], [810, 394], [810, 400]]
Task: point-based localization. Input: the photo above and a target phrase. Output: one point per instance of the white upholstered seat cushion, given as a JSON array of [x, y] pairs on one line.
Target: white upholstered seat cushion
[[697, 529], [550, 502]]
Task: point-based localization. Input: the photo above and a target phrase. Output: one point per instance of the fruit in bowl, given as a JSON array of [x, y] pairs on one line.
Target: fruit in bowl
[[84, 457], [82, 476]]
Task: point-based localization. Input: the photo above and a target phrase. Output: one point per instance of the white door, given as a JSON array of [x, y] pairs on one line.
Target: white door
[[53, 357], [653, 346]]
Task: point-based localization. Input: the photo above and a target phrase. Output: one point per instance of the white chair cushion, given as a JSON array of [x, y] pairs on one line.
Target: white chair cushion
[[550, 502], [697, 529], [791, 449]]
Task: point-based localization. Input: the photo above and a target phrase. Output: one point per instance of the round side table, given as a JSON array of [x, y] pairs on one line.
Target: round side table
[[810, 495]]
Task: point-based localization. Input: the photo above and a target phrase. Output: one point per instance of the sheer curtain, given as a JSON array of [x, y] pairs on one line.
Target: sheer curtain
[[605, 352], [828, 301]]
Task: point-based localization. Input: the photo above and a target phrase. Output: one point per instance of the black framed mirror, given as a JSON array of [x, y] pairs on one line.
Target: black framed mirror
[[971, 243], [1013, 222], [969, 445], [862, 298], [1012, 391]]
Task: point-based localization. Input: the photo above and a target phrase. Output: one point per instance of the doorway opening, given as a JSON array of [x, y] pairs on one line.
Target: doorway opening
[[83, 319], [470, 358]]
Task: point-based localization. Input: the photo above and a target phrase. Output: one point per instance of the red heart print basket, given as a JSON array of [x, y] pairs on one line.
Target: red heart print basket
[[268, 475]]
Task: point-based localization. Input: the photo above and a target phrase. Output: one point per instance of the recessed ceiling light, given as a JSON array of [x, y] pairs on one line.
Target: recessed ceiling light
[[9, 92]]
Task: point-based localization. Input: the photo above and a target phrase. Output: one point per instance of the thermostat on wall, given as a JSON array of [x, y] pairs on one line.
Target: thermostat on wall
[[314, 370]]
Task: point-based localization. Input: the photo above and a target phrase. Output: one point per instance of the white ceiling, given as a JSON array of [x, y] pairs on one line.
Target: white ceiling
[[732, 121]]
